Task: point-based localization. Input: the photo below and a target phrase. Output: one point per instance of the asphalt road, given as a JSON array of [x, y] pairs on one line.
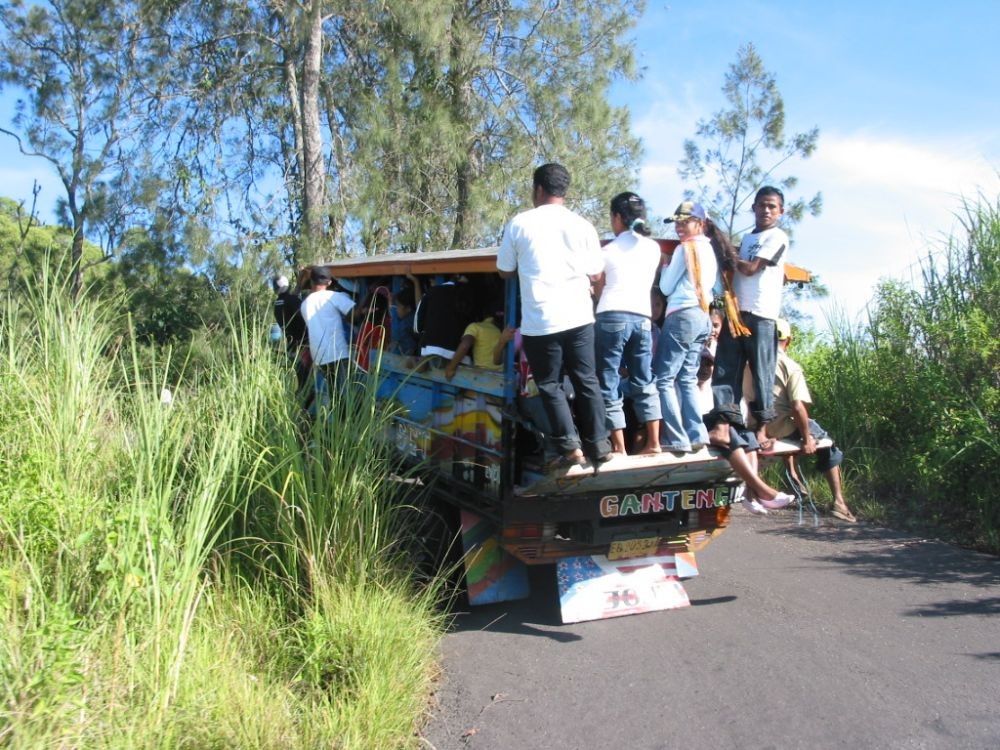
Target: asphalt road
[[798, 637]]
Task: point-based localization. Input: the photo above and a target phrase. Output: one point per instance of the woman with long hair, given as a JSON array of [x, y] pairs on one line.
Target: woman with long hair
[[623, 329], [689, 283]]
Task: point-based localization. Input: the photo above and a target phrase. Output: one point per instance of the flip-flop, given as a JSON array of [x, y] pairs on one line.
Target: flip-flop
[[848, 516], [564, 463]]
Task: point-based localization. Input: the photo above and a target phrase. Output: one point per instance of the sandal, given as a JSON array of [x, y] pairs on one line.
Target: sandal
[[843, 515], [561, 464]]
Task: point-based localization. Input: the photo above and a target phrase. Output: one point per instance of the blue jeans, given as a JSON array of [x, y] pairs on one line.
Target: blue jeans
[[574, 350], [826, 458], [678, 354], [760, 351], [626, 338]]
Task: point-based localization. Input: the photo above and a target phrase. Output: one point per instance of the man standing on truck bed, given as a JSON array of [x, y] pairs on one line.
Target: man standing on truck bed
[[556, 254], [758, 278]]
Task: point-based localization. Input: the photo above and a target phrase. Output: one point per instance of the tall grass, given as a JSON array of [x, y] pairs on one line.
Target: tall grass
[[214, 573], [914, 393]]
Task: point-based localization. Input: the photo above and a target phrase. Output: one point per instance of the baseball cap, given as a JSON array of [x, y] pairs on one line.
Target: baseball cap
[[281, 284], [348, 285], [687, 210], [784, 330], [320, 275]]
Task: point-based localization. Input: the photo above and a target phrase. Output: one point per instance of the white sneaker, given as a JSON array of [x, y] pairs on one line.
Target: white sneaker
[[756, 508], [781, 500]]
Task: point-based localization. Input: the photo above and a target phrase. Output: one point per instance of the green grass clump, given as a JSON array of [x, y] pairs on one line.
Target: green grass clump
[[914, 394], [214, 573]]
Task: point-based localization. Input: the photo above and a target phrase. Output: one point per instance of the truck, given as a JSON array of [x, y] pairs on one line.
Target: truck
[[622, 535]]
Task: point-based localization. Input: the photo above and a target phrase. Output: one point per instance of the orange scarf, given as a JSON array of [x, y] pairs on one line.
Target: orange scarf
[[694, 272]]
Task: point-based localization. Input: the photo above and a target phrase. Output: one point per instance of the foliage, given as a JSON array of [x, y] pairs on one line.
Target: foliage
[[914, 395], [466, 99], [319, 126], [27, 246], [80, 64], [198, 575], [745, 147]]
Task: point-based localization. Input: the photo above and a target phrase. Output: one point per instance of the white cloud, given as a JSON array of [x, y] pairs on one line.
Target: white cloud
[[887, 203], [887, 200]]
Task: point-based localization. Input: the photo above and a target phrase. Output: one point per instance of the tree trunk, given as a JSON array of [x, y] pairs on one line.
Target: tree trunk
[[461, 98], [314, 170]]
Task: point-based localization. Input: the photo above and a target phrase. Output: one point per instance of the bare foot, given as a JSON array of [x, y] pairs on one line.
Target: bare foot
[[651, 450], [719, 435], [765, 442]]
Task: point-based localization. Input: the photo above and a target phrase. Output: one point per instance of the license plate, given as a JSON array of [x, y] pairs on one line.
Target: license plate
[[623, 549]]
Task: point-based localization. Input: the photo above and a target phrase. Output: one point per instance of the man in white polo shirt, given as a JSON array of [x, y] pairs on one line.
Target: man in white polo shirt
[[556, 254]]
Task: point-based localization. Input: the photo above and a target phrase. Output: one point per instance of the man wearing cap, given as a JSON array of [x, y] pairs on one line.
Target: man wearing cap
[[758, 278], [791, 420], [324, 312], [556, 255]]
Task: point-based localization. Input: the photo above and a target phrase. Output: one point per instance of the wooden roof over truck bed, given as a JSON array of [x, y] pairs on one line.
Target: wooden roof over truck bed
[[481, 260]]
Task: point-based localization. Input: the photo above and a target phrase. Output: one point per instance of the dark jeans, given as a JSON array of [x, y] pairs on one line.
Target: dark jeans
[[574, 351], [760, 351], [336, 375]]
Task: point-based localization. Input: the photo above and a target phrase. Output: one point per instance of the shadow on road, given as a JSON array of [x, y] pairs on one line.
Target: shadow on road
[[713, 600], [878, 552], [537, 615], [989, 606]]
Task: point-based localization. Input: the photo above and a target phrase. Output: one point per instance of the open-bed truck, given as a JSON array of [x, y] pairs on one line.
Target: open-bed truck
[[622, 535]]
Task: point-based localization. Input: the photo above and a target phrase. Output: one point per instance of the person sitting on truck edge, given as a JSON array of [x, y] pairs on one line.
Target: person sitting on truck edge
[[792, 420], [758, 278], [480, 338], [441, 317], [556, 254], [689, 283], [623, 330], [742, 445], [324, 312]]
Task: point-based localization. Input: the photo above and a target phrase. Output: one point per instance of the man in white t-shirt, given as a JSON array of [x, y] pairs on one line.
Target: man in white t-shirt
[[758, 278], [556, 254], [324, 312]]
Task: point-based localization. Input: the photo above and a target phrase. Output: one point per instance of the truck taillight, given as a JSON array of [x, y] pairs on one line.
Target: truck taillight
[[523, 531]]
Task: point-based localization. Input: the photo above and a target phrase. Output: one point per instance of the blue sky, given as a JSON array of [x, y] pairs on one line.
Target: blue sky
[[904, 95]]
